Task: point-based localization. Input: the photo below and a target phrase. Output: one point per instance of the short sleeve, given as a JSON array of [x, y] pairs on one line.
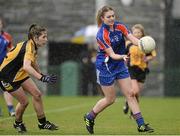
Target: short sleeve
[[8, 37], [103, 39], [123, 28], [153, 53]]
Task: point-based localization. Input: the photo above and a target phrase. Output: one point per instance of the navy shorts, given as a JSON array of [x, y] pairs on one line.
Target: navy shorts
[[107, 81], [138, 74]]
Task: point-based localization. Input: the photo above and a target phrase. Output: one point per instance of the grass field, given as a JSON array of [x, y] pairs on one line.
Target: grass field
[[162, 113]]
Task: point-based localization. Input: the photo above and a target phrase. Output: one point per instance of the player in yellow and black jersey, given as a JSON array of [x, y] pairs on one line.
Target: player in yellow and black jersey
[[138, 63], [12, 66], [14, 75]]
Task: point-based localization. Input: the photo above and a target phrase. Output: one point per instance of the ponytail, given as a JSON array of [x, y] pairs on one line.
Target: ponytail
[[35, 31]]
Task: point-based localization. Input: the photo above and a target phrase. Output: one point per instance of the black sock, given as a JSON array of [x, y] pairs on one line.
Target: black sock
[[42, 120], [18, 122]]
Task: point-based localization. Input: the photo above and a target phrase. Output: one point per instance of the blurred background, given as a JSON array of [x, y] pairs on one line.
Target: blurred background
[[71, 49]]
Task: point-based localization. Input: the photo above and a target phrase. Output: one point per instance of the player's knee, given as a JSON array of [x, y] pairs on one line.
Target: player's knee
[[130, 94], [25, 103], [110, 100], [37, 96], [136, 91]]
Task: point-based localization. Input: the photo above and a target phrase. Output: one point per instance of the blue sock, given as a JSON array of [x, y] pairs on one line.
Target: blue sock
[[91, 115], [10, 108], [139, 119]]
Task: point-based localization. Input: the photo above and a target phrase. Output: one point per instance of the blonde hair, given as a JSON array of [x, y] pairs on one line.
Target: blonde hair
[[35, 31], [140, 27], [101, 13]]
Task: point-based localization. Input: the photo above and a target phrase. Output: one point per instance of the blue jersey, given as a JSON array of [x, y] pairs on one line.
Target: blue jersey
[[3, 48], [106, 38]]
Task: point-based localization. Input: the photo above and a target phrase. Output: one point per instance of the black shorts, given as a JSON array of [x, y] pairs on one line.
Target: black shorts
[[13, 86], [138, 74]]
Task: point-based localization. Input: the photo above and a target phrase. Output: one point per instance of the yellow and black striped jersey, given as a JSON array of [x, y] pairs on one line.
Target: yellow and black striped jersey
[[11, 69], [137, 56]]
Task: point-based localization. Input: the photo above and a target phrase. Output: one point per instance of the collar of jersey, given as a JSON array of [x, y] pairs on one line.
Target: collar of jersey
[[32, 41], [108, 27]]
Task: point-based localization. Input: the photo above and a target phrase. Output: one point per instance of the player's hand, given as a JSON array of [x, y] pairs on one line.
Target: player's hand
[[125, 57], [145, 59], [49, 78]]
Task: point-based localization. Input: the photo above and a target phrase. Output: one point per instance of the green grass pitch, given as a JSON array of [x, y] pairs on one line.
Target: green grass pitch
[[67, 112]]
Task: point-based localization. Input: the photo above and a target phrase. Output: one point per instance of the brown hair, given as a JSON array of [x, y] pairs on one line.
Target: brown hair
[[101, 13], [35, 31], [140, 27]]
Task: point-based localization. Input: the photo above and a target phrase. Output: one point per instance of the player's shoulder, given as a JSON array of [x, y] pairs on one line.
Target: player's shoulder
[[19, 44], [118, 23], [120, 26], [24, 44], [6, 34], [1, 37], [31, 45], [100, 32]]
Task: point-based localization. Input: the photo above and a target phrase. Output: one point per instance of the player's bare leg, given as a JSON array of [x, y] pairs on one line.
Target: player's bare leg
[[31, 88], [9, 101], [20, 108], [109, 98], [128, 92]]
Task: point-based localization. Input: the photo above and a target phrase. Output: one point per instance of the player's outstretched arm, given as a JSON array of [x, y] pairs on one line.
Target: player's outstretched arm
[[32, 71], [133, 39]]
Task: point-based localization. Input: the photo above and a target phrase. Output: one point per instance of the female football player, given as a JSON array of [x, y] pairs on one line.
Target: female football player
[[15, 73], [110, 67], [137, 64]]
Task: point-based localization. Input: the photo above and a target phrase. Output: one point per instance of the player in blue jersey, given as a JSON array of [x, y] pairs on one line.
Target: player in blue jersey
[[111, 67], [5, 46]]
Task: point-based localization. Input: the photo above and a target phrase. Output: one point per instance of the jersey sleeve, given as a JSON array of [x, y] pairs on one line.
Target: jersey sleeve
[[8, 37], [123, 28], [103, 39], [153, 53], [29, 53]]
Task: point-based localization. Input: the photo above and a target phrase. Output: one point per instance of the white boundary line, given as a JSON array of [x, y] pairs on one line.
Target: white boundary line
[[50, 111]]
